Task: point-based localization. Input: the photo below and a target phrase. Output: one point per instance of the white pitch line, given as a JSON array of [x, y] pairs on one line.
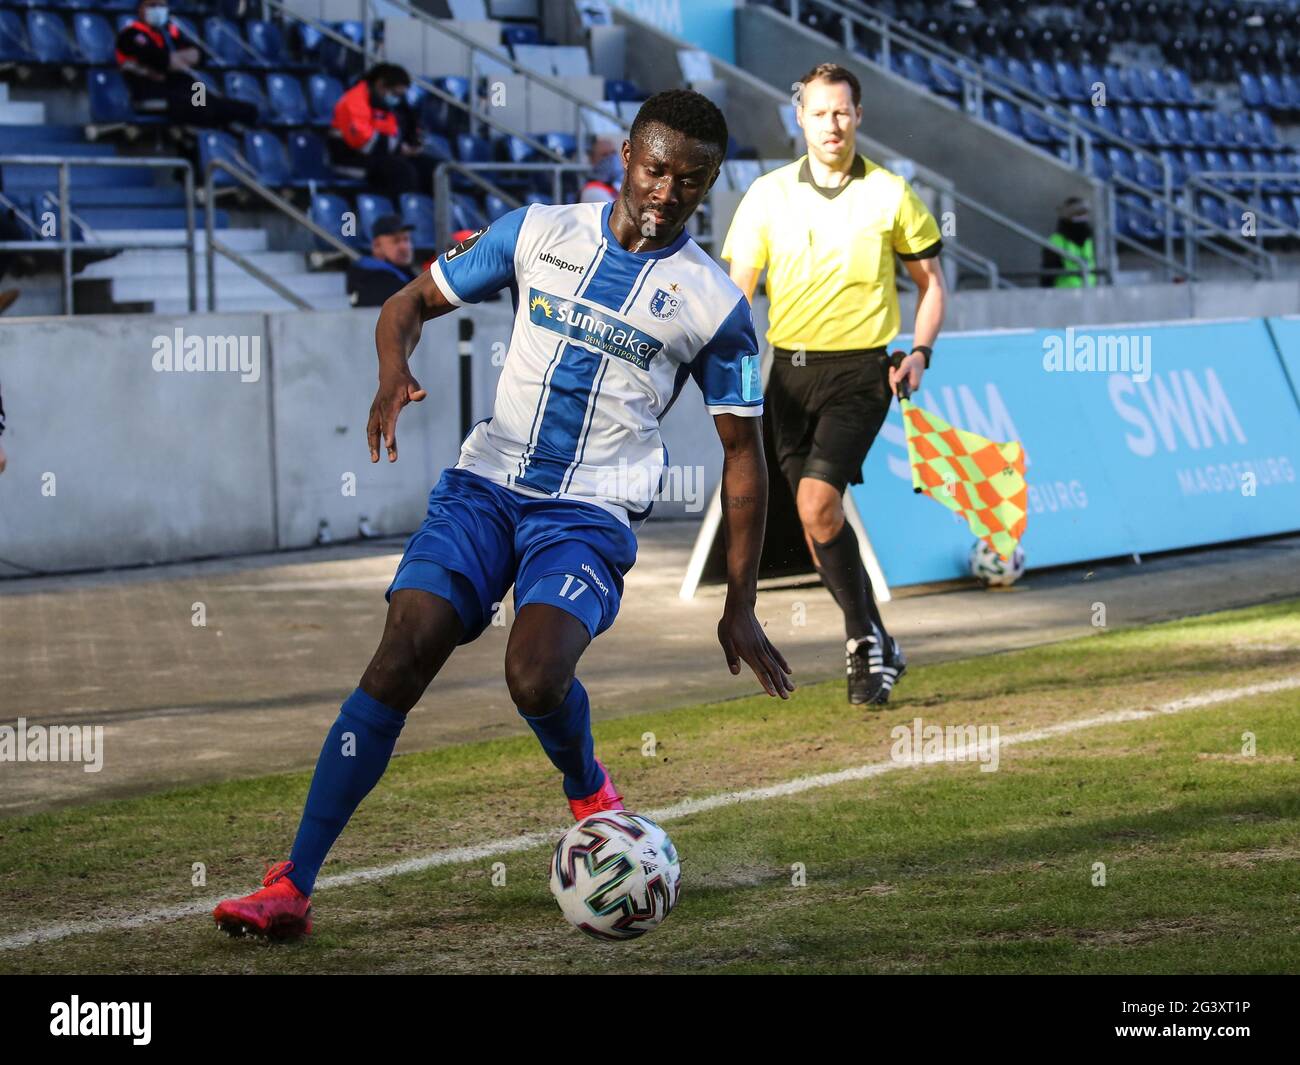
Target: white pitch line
[[514, 844]]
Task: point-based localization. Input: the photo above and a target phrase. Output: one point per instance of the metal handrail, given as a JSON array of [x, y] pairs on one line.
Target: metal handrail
[[67, 245], [977, 82], [442, 188], [214, 246], [421, 82], [1021, 231], [549, 83]]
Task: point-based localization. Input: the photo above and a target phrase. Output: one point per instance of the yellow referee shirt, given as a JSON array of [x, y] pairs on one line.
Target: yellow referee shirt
[[830, 253]]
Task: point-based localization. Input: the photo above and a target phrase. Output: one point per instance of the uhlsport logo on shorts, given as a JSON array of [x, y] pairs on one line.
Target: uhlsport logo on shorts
[[600, 329]]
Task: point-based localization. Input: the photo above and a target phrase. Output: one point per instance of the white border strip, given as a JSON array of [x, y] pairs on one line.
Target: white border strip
[[459, 855]]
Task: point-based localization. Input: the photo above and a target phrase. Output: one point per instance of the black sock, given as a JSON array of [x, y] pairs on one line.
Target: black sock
[[839, 564]]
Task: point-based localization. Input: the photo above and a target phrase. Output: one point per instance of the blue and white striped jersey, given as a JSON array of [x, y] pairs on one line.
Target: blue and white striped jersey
[[602, 343]]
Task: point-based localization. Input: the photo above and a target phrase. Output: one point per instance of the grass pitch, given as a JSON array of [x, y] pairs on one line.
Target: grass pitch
[[940, 868]]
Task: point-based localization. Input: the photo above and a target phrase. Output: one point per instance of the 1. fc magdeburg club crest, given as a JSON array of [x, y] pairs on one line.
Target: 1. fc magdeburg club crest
[[664, 305]]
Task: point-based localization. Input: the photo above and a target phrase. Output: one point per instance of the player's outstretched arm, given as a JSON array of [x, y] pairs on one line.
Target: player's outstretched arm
[[744, 515], [396, 334]]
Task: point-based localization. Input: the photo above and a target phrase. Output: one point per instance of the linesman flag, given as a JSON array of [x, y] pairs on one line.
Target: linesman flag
[[974, 477]]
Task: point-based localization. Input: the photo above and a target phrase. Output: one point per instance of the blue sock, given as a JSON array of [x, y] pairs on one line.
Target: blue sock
[[565, 734], [353, 758]]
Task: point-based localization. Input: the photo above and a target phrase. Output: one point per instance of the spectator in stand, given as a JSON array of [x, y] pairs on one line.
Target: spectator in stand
[[387, 269], [374, 131], [1073, 236], [157, 59], [606, 176]]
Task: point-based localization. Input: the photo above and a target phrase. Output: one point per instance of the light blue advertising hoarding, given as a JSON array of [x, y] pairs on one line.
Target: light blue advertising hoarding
[[1138, 438]]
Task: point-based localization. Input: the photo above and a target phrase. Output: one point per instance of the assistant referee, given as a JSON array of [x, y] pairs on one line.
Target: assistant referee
[[828, 227]]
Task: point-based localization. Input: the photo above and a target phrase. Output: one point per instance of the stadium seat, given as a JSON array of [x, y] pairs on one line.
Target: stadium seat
[[915, 68], [618, 90], [518, 150], [215, 145], [270, 162], [1137, 218], [1202, 129], [1213, 209], [340, 59], [287, 104], [466, 214], [225, 44], [1252, 93], [438, 147], [240, 85], [1158, 88], [1180, 85], [513, 35], [471, 149], [496, 206], [1275, 97], [1004, 115], [418, 213], [566, 144], [1177, 168], [947, 81], [323, 92], [1100, 164], [94, 37], [1176, 127], [332, 213], [441, 116], [1070, 81], [48, 37], [370, 208], [1225, 130], [1044, 80], [1149, 172], [110, 102], [1262, 162], [1131, 125], [1268, 137], [267, 43], [1282, 208], [1116, 86], [1155, 125], [1137, 86], [13, 38], [1105, 118], [1122, 163]]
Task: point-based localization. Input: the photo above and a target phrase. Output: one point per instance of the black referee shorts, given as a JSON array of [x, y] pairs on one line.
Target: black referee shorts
[[826, 413]]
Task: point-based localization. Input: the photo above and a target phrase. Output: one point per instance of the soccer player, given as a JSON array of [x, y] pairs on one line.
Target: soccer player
[[828, 228], [616, 307]]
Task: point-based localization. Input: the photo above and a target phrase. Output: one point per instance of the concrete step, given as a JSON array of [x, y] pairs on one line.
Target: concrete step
[[169, 263], [242, 240], [22, 113], [174, 287]]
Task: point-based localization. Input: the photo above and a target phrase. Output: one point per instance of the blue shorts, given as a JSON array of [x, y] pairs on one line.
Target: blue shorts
[[480, 537]]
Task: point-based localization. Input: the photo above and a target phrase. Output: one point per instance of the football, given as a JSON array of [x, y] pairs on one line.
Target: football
[[990, 569], [615, 875]]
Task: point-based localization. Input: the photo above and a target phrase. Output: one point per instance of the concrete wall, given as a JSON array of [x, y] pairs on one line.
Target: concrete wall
[[986, 164]]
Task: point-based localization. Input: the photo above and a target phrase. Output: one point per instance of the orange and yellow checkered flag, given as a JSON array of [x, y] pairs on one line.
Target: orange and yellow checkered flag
[[974, 477]]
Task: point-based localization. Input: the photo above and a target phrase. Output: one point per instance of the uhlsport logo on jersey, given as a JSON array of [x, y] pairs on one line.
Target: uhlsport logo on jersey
[[593, 326], [665, 305]]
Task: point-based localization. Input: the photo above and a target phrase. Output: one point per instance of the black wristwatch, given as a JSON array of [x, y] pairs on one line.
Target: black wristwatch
[[925, 351]]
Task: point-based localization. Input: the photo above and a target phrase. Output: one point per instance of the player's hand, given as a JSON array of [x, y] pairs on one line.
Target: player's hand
[[743, 639], [396, 390], [912, 366]]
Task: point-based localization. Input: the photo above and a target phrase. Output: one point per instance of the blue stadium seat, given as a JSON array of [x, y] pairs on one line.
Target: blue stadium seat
[[564, 143], [308, 159], [1268, 137], [438, 147], [1159, 89], [1214, 210], [1072, 85], [217, 145], [370, 208], [13, 38], [48, 36], [94, 37], [268, 43], [339, 59], [1225, 130], [1275, 97], [1116, 86], [110, 102], [1004, 115], [1131, 125], [442, 117], [915, 68], [1100, 164], [1202, 129], [1176, 127], [1215, 163], [417, 212], [288, 105], [1282, 208], [513, 35], [1252, 93], [225, 43], [518, 150], [471, 149], [1263, 161], [270, 162], [1181, 86], [466, 214], [333, 214], [496, 206], [1291, 88], [1020, 75], [1239, 164], [1137, 87], [1044, 79], [323, 92], [617, 90], [1122, 163], [1155, 126], [240, 85], [1193, 160], [1105, 118], [1177, 168]]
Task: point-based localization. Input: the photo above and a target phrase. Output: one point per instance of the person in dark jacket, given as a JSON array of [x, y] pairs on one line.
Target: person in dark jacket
[[387, 269], [375, 132], [157, 59], [1073, 236]]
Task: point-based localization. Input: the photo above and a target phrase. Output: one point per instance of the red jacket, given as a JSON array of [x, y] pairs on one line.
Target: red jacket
[[359, 122]]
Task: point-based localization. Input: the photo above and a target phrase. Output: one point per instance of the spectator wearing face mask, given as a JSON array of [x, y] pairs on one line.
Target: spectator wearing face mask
[[374, 131], [157, 60]]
